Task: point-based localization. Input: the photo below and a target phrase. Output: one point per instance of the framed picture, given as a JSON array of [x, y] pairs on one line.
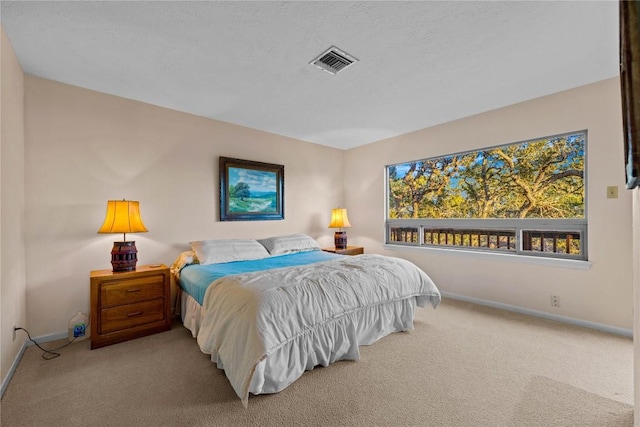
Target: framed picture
[[250, 191]]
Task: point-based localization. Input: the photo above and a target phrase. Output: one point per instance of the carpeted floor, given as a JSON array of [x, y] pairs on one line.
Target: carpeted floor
[[462, 365]]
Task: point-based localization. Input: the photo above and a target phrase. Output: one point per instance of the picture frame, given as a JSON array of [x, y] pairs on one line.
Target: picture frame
[[250, 190]]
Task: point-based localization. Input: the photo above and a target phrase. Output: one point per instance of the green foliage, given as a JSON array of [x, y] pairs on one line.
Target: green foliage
[[241, 191], [535, 179]]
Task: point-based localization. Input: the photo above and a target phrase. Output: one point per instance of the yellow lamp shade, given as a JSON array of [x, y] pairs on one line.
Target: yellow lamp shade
[[123, 216], [339, 218]]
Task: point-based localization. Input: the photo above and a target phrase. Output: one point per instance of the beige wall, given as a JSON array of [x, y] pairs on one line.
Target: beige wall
[[84, 148], [602, 294], [12, 182]]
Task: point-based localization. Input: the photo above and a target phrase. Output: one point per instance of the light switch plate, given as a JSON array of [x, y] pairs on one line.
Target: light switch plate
[[612, 192]]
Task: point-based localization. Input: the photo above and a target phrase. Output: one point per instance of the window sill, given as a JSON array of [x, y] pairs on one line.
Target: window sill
[[523, 259]]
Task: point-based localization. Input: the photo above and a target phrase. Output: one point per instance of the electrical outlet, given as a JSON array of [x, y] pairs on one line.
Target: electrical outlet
[[555, 301], [14, 332]]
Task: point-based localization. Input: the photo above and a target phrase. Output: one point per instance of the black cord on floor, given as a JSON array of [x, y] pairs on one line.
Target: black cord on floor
[[48, 354]]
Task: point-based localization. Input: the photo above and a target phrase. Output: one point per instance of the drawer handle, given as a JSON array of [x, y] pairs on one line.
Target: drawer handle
[[133, 290], [135, 313]]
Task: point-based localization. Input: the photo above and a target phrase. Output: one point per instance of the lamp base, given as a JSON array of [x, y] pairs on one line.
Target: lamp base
[[124, 256], [340, 239]]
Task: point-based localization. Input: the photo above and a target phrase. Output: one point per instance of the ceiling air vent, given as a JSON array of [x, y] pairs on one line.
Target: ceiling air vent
[[333, 60]]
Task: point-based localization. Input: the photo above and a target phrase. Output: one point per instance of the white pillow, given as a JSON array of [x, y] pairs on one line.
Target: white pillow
[[228, 250], [280, 245]]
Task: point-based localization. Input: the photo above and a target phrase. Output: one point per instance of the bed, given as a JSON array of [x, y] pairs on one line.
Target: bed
[[267, 310]]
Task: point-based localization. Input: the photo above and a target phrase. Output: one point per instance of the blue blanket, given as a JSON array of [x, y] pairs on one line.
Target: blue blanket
[[196, 278]]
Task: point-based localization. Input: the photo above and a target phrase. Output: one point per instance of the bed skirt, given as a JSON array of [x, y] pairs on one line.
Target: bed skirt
[[338, 340]]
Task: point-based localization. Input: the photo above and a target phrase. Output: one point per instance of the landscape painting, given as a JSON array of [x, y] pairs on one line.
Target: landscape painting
[[250, 190]]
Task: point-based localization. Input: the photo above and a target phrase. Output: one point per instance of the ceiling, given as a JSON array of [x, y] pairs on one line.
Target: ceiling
[[247, 62]]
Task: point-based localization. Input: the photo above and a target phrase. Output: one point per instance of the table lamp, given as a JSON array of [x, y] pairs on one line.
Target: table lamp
[[339, 220], [123, 216]]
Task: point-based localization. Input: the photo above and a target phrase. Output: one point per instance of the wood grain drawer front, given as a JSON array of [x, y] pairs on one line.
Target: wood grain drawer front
[[132, 290], [131, 315]]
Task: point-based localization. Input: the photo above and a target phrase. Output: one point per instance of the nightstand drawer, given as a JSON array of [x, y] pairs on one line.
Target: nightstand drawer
[[131, 315], [129, 305], [132, 290]]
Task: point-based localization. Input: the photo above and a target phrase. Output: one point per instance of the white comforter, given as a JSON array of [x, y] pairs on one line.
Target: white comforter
[[250, 316]]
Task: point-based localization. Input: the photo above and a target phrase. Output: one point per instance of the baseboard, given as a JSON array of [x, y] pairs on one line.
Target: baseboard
[[16, 361], [51, 337], [549, 316], [12, 370]]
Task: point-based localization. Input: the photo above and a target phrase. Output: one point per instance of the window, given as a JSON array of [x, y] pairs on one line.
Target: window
[[525, 198]]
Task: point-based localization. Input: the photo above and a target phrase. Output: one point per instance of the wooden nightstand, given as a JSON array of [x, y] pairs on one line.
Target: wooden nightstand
[[129, 305], [351, 250]]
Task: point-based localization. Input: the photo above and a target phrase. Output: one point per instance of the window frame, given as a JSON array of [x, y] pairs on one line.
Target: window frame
[[519, 225]]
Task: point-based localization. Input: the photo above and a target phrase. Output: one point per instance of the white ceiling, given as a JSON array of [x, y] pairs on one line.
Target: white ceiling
[[247, 62]]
